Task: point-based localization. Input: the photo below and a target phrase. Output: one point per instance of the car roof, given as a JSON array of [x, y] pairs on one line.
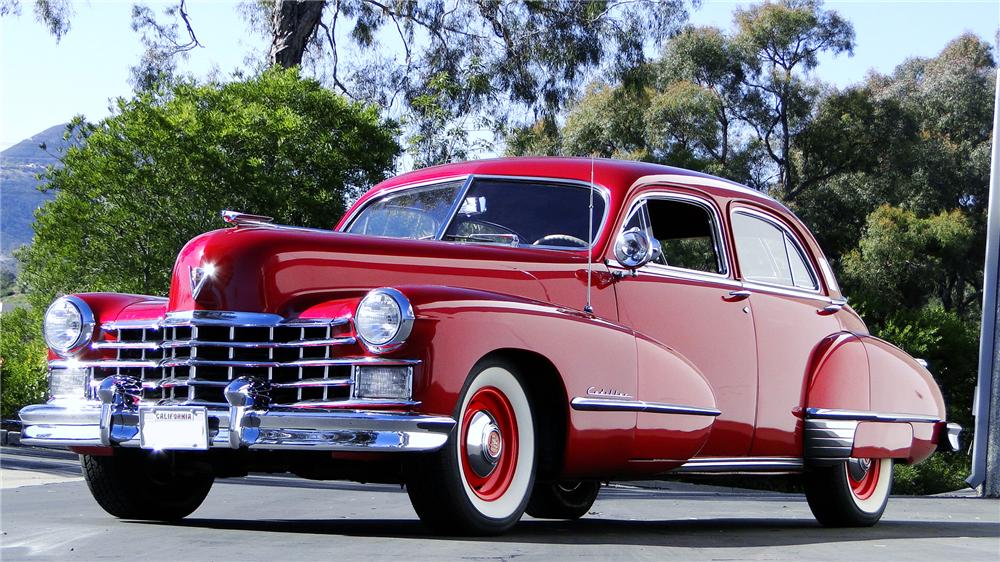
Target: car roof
[[618, 176]]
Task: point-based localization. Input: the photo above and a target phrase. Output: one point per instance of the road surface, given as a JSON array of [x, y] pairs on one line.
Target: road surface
[[47, 513]]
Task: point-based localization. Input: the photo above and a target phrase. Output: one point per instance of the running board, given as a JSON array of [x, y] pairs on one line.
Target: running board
[[722, 465]]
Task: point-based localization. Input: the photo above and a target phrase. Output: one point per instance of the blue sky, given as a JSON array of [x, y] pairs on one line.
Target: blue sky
[[43, 83]]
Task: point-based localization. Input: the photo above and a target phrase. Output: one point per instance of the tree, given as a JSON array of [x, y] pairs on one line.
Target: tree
[[22, 360], [735, 104], [496, 57], [779, 41], [156, 173]]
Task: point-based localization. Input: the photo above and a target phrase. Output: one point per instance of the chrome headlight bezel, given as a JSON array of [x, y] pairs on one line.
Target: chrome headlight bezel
[[404, 325], [87, 325]]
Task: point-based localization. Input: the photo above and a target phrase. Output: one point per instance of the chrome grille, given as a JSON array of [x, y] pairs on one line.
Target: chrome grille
[[306, 361]]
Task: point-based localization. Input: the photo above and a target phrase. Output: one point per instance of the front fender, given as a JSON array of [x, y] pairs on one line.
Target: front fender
[[455, 328]]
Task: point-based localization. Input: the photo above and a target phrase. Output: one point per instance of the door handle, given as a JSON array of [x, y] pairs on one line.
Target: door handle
[[737, 295], [832, 308]]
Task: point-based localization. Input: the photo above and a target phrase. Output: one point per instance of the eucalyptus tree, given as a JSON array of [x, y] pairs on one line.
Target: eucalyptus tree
[[452, 71]]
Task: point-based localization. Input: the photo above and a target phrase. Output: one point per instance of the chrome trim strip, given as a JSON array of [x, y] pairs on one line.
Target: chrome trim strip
[[610, 405], [224, 318], [169, 344], [791, 292], [861, 415], [109, 363], [125, 345], [741, 464], [277, 364], [152, 364]]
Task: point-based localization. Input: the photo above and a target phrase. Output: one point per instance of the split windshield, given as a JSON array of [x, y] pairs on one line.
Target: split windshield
[[492, 211]]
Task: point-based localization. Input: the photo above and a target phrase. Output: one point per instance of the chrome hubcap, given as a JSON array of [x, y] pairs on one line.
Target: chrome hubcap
[[858, 468], [484, 444]]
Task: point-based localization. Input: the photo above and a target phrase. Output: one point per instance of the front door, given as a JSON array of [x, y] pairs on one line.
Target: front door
[[688, 300]]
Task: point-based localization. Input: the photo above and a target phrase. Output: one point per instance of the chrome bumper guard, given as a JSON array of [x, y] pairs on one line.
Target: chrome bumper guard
[[949, 440], [248, 422]]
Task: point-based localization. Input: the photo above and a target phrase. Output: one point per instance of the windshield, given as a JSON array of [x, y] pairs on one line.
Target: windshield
[[493, 211]]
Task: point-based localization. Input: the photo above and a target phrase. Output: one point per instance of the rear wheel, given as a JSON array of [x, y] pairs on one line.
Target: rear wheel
[[136, 485], [562, 500], [849, 494], [480, 481]]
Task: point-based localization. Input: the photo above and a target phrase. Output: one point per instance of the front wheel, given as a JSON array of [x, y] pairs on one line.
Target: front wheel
[[136, 485], [849, 494], [562, 500], [480, 481]]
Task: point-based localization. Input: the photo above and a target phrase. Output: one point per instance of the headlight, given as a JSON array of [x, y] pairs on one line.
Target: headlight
[[384, 319], [68, 325]]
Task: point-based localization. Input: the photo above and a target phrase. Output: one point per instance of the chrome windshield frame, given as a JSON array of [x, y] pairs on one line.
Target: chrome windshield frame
[[602, 191]]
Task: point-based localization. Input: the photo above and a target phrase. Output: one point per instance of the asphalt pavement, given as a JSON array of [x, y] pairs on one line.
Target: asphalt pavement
[[46, 512]]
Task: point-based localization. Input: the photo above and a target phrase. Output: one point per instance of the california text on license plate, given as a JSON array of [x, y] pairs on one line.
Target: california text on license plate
[[169, 428]]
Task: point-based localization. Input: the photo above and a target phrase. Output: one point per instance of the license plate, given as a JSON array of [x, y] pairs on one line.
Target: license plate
[[171, 428]]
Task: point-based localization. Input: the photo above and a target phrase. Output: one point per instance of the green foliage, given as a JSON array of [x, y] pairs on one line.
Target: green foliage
[[938, 474], [157, 173], [22, 360], [903, 261]]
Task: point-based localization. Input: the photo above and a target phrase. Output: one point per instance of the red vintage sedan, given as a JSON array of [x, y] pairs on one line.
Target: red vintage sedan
[[500, 336]]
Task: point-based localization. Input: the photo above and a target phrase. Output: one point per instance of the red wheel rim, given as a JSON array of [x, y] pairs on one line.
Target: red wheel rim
[[492, 402], [865, 487]]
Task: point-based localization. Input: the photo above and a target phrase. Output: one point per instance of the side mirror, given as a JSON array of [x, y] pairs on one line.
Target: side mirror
[[635, 248]]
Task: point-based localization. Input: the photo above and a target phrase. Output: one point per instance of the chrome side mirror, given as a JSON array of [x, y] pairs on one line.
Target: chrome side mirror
[[635, 248]]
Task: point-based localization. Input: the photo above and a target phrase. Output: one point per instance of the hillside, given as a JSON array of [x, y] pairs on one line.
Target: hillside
[[19, 194]]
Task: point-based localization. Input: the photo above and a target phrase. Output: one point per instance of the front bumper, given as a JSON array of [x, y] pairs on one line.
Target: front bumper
[[246, 423]]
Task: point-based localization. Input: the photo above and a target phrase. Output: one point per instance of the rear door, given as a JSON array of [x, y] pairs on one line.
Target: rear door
[[790, 319]]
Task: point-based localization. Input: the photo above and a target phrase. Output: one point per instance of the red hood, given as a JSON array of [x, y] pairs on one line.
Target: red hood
[[285, 271]]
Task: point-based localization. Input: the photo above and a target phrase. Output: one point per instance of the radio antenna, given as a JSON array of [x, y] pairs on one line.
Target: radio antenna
[[590, 238]]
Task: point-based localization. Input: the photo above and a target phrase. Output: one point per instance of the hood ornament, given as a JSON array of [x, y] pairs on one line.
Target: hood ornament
[[199, 276]]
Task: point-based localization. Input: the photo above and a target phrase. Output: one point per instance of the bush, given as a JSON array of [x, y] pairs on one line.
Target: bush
[[22, 360], [943, 472]]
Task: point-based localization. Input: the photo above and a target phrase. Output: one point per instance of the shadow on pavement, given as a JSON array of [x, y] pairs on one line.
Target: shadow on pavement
[[704, 533]]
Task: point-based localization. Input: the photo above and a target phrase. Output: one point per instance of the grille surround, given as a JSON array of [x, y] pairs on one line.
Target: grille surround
[[189, 358]]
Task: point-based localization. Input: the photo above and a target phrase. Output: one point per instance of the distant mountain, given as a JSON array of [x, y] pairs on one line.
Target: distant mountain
[[19, 194]]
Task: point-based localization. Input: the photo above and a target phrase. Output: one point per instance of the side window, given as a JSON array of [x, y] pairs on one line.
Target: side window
[[767, 254], [687, 233]]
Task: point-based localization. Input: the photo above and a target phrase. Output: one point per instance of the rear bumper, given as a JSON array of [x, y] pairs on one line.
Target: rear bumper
[[246, 423], [948, 437]]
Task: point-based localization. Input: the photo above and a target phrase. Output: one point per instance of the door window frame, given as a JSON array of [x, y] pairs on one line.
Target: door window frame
[[801, 248], [718, 235]]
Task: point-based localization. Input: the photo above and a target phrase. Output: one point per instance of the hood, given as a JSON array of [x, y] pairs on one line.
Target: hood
[[285, 270]]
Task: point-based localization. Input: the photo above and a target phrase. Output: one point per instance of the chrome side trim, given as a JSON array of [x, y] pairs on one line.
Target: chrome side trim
[[610, 405], [861, 415], [828, 440], [741, 464]]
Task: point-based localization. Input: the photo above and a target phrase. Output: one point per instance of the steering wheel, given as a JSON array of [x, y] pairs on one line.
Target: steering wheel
[[559, 238]]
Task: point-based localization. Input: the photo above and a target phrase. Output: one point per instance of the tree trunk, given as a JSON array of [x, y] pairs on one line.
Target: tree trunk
[[294, 22]]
